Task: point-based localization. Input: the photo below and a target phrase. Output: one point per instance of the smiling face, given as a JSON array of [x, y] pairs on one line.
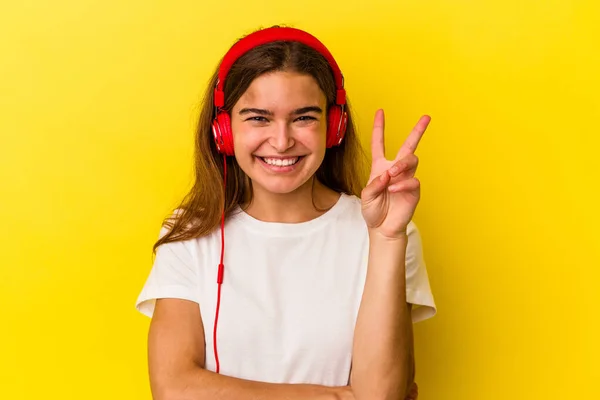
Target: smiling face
[[279, 130]]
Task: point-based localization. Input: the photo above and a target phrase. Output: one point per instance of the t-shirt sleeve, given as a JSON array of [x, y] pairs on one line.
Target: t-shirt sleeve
[[173, 275], [418, 290]]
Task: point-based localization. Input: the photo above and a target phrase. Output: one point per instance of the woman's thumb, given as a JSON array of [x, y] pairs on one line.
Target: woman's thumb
[[375, 187]]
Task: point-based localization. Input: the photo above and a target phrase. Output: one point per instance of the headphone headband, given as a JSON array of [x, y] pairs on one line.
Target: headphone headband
[[272, 35]]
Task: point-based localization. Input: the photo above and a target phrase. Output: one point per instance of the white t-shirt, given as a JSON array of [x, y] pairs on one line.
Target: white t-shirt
[[290, 295]]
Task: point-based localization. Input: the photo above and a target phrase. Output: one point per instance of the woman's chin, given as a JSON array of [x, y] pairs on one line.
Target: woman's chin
[[280, 188], [278, 185]]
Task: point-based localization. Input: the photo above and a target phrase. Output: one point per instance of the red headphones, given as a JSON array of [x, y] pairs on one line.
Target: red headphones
[[337, 118]]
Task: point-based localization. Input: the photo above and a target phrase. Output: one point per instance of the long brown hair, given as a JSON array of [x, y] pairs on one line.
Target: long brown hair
[[342, 169]]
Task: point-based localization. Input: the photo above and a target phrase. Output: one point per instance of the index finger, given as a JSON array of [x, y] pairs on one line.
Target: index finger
[[377, 139], [413, 139]]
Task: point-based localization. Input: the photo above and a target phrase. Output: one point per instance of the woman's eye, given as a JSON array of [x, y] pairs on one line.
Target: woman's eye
[[259, 119], [305, 118]]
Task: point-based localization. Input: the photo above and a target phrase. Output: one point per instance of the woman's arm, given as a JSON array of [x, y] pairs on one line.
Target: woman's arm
[[176, 352], [383, 362]]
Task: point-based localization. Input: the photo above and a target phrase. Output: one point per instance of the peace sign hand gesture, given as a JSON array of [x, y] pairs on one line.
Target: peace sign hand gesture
[[390, 198]]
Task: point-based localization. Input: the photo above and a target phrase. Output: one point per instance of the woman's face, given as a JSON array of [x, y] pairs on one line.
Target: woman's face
[[279, 131]]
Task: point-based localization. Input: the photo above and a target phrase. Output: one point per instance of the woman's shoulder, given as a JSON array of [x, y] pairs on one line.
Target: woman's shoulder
[[350, 200], [184, 235]]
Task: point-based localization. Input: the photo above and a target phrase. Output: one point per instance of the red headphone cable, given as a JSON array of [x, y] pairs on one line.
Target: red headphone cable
[[221, 266]]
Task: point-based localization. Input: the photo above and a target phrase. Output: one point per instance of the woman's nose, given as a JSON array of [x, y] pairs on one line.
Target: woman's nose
[[282, 137]]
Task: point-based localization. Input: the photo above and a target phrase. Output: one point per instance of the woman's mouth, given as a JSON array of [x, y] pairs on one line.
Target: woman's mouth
[[279, 164]]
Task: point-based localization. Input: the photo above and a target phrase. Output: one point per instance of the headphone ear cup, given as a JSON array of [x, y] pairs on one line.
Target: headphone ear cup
[[336, 127], [221, 128]]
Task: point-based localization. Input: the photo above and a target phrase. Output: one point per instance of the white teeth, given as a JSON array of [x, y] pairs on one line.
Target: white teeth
[[281, 163]]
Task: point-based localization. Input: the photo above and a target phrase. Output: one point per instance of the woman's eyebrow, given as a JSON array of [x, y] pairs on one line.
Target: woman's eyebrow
[[255, 111], [308, 109], [261, 111]]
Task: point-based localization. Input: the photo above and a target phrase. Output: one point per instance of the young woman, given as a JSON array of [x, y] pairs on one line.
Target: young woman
[[281, 275]]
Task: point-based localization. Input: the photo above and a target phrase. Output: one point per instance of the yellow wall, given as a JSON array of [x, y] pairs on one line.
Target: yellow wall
[[97, 108]]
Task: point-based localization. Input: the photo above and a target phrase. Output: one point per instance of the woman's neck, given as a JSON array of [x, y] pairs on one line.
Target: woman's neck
[[307, 202]]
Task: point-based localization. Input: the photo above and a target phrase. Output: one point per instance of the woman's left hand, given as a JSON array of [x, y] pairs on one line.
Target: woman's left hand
[[390, 198]]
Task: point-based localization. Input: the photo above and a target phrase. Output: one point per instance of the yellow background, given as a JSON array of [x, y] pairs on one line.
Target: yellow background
[[98, 101]]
